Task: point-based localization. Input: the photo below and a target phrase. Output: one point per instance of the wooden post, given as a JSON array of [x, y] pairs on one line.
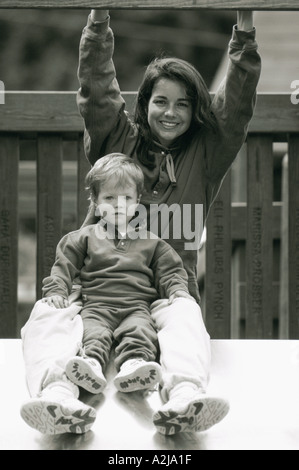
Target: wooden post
[[218, 265], [9, 164], [293, 216], [284, 255], [49, 204], [156, 4], [259, 245]]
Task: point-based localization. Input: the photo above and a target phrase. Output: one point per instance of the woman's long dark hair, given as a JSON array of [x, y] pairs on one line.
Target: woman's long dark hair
[[196, 89]]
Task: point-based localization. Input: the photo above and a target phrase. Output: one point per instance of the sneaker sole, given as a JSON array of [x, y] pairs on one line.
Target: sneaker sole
[[79, 372], [143, 378], [50, 417], [200, 415]]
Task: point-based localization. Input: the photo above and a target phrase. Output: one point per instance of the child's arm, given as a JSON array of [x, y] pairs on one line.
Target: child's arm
[[70, 257], [170, 277]]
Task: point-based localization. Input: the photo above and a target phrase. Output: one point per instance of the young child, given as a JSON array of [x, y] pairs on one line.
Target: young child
[[122, 269]]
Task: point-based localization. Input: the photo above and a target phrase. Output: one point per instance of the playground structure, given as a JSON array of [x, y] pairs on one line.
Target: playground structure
[[247, 371], [51, 119]]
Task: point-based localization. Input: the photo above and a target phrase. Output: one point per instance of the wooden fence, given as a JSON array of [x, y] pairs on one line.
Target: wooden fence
[[52, 118]]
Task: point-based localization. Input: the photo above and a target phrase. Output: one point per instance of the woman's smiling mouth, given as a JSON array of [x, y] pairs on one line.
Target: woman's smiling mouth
[[168, 125]]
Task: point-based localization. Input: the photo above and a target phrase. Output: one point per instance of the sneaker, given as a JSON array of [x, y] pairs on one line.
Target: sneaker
[[193, 413], [137, 374], [57, 411], [87, 373]]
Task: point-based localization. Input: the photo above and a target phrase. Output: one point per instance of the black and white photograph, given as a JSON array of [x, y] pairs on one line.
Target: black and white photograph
[[149, 227]]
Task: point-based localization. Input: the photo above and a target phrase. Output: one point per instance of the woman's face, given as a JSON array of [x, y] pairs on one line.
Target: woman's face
[[169, 111]]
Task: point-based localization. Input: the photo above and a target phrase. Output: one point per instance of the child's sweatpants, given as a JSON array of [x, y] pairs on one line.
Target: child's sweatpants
[[132, 327], [52, 336]]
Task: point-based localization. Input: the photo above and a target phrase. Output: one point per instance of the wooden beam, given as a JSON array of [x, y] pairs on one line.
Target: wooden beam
[[293, 240], [9, 164], [156, 4], [57, 112], [49, 204], [239, 220], [259, 246], [218, 265]]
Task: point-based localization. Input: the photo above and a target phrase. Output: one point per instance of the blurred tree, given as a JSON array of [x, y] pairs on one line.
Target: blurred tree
[[39, 48]]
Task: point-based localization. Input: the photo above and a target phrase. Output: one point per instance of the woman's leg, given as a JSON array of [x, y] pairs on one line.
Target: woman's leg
[[184, 343], [185, 359], [50, 337]]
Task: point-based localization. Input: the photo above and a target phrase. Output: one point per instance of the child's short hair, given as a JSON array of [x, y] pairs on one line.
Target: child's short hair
[[115, 165]]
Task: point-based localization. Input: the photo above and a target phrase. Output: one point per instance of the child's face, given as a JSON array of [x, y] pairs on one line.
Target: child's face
[[169, 111], [117, 203]]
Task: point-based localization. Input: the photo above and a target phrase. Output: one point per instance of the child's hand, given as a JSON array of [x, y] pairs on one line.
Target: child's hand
[[179, 293], [56, 301], [245, 20]]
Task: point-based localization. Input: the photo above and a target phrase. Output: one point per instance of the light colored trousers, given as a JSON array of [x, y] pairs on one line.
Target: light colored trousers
[[51, 336]]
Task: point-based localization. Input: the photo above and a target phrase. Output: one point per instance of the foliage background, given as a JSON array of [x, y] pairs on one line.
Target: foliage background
[[39, 48]]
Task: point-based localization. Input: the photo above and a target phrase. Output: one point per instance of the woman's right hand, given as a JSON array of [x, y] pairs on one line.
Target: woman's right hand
[[99, 15]]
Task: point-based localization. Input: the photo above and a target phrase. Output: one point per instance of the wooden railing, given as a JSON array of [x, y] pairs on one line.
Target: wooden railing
[[157, 4], [50, 119]]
